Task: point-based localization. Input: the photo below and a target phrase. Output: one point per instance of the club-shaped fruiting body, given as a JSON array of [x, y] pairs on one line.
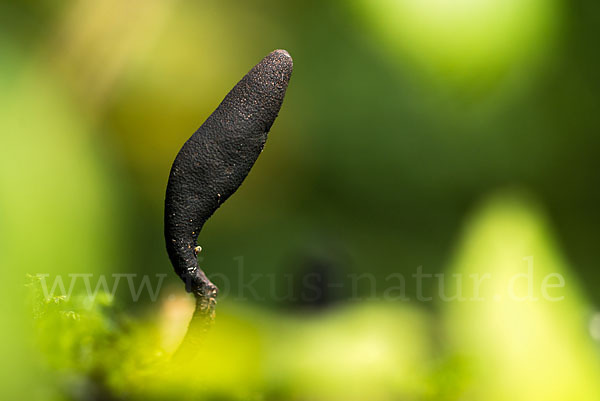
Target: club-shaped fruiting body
[[212, 164]]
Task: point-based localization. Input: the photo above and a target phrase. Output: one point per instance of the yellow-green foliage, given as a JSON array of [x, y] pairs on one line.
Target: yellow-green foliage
[[486, 346]]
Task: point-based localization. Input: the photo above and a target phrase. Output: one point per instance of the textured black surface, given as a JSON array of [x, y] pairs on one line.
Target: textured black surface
[[212, 164]]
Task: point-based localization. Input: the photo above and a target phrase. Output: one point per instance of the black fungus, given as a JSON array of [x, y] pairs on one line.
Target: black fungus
[[212, 164]]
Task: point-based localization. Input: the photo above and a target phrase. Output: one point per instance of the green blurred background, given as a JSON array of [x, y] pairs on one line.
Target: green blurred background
[[454, 135]]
